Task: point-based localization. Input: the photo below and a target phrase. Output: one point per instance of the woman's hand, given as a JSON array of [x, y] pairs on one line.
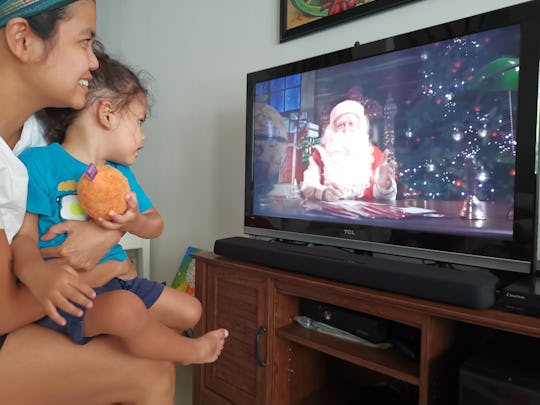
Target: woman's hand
[[85, 245]]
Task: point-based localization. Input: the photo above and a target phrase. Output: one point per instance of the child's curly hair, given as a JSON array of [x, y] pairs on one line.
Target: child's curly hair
[[112, 80]]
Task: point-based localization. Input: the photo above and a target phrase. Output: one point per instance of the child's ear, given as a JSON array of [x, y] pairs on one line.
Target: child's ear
[[21, 40], [105, 114]]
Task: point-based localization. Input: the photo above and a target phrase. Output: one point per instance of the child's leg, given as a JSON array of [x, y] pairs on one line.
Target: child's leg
[[123, 314], [176, 309]]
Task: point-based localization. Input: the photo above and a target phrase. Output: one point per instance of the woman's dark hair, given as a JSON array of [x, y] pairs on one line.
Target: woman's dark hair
[[112, 81], [44, 24]]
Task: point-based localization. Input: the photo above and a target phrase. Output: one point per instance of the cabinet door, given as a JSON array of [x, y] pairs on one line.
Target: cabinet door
[[237, 301]]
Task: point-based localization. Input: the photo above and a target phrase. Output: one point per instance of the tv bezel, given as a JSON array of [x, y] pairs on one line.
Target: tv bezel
[[527, 15]]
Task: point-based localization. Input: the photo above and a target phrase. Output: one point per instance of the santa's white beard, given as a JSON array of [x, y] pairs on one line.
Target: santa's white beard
[[348, 161], [350, 143]]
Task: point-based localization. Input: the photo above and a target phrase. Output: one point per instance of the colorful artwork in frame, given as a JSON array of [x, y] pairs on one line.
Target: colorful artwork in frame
[[300, 17]]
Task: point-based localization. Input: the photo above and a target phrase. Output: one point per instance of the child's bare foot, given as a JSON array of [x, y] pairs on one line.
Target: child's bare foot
[[211, 345]]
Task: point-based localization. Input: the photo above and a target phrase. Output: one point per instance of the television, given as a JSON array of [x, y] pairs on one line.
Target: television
[[453, 108]]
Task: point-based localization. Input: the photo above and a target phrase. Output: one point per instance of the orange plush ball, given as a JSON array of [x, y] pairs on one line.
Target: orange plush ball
[[102, 189]]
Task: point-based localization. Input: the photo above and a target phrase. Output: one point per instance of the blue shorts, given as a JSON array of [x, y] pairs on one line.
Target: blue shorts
[[148, 291]]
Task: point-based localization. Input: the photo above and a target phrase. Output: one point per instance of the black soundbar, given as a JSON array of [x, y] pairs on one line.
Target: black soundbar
[[471, 289]]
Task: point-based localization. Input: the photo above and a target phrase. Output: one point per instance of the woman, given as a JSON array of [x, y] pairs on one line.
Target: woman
[[46, 60]]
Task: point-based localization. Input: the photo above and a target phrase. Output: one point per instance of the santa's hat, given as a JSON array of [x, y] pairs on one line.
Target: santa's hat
[[347, 106]]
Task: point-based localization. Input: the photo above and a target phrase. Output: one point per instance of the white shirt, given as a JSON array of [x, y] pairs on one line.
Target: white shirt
[[14, 178], [32, 135]]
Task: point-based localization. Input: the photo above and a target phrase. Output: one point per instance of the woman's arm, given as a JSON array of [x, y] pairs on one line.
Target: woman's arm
[[18, 306], [54, 285], [86, 243]]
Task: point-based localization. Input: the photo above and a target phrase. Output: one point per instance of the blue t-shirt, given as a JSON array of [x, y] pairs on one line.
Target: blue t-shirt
[[52, 191]]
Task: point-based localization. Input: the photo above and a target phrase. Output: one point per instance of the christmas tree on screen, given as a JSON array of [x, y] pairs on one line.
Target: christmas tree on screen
[[458, 125]]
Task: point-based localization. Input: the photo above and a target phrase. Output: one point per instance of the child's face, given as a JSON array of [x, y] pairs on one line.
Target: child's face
[[128, 136], [62, 77]]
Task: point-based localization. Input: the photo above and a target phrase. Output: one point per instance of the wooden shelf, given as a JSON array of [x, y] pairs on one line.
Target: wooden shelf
[[384, 361], [287, 364], [327, 396]]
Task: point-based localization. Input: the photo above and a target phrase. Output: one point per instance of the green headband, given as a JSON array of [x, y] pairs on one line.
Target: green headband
[[27, 8]]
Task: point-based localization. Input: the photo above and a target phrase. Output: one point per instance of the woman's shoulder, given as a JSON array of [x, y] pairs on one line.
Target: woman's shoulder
[[32, 135]]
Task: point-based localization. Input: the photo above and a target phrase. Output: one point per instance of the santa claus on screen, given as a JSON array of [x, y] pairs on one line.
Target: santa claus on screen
[[347, 165]]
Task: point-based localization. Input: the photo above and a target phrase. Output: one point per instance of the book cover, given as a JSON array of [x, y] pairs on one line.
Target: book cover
[[184, 279]]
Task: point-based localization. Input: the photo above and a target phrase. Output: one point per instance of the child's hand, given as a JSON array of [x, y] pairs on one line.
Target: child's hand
[[57, 285], [118, 221]]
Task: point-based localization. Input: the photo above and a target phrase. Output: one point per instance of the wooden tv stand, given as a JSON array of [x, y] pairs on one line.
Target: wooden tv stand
[[270, 359]]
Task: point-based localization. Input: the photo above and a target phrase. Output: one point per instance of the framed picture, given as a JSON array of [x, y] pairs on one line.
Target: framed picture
[[300, 17]]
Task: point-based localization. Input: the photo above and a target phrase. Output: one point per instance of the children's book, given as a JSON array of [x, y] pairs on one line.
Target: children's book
[[184, 280]]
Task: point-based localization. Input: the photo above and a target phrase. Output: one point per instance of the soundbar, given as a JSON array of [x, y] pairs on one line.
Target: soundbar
[[470, 289]]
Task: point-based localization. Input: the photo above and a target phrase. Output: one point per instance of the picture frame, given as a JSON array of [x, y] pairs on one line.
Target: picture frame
[[301, 17]]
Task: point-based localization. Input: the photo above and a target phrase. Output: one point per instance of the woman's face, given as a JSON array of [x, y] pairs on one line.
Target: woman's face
[[65, 69]]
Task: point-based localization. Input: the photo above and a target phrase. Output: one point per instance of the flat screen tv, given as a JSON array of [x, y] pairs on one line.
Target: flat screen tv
[[446, 168]]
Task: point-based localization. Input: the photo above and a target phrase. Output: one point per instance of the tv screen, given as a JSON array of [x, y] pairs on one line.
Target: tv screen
[[420, 145]]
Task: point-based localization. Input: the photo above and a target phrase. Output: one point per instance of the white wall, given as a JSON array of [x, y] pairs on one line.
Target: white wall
[[199, 53]]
